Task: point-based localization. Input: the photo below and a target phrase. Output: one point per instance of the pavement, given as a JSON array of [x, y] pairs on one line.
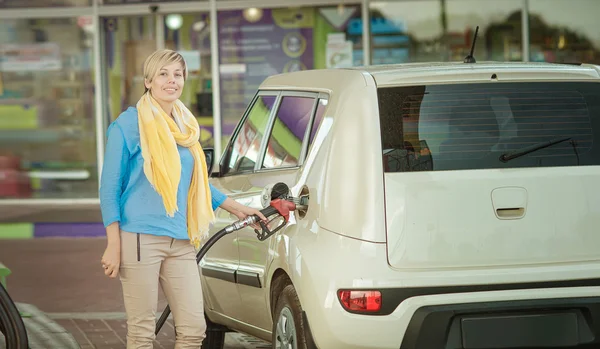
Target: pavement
[[69, 302], [43, 332]]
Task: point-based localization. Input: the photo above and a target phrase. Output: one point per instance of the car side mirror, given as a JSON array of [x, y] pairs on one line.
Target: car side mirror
[[209, 153]]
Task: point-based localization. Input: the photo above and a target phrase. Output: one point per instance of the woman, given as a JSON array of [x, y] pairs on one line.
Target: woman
[[157, 205]]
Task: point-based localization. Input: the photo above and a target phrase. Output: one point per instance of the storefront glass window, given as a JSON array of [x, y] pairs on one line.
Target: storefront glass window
[[189, 34], [47, 125], [564, 31], [442, 30], [256, 43], [43, 3]]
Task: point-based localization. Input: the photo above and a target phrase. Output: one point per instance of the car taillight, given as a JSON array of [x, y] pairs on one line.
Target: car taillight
[[360, 301]]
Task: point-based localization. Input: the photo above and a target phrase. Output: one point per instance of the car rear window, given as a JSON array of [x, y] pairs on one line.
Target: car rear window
[[490, 125]]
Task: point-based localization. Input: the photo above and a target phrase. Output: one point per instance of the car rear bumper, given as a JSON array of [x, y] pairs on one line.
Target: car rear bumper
[[549, 317], [408, 295], [540, 323]]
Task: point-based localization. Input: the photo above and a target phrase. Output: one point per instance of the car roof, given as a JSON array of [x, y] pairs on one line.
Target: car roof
[[432, 72], [404, 67]]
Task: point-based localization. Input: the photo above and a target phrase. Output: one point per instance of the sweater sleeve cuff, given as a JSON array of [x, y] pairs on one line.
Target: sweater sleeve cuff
[[110, 220]]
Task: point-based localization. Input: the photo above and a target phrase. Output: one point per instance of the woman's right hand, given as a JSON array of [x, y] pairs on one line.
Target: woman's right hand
[[111, 260]]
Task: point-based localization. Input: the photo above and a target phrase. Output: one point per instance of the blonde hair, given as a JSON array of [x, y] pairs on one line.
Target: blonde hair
[[157, 60]]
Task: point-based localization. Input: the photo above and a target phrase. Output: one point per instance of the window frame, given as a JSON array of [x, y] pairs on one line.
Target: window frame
[[278, 94], [322, 96], [303, 151], [241, 124]]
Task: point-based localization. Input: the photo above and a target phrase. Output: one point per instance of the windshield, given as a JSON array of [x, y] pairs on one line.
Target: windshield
[[471, 126]]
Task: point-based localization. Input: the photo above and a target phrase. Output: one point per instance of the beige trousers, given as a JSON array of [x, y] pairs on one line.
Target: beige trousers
[[146, 262]]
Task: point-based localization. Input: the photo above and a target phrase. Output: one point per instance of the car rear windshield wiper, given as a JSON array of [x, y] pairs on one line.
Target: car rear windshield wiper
[[518, 153]]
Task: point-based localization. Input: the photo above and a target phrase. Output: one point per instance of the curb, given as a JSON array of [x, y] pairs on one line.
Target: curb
[[43, 332]]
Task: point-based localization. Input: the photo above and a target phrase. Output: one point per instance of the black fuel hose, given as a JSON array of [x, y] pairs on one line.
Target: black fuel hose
[[267, 211]]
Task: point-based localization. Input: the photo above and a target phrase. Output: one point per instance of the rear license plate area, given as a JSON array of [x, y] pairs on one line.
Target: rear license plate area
[[518, 331]]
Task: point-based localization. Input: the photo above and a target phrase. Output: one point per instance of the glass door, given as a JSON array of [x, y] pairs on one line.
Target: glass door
[[189, 34], [127, 41]]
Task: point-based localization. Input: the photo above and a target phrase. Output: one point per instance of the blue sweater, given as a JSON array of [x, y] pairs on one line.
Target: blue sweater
[[126, 195]]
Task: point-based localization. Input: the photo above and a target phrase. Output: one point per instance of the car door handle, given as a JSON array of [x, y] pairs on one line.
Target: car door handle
[[512, 212]]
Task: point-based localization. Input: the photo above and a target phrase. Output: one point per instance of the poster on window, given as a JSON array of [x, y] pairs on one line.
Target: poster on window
[[338, 52], [255, 44], [30, 57], [43, 3]]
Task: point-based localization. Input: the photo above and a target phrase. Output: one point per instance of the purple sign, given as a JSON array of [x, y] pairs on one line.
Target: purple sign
[[255, 44]]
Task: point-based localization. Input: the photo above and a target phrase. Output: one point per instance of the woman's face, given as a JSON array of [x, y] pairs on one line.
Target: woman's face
[[168, 83]]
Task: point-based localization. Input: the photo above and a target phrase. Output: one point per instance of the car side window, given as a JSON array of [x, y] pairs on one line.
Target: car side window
[[243, 153], [287, 135]]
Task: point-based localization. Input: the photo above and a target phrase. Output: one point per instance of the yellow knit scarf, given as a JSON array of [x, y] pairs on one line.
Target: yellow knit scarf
[[159, 137]]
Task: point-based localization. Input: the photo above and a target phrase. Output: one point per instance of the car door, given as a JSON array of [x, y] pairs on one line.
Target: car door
[[281, 158], [220, 265]]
